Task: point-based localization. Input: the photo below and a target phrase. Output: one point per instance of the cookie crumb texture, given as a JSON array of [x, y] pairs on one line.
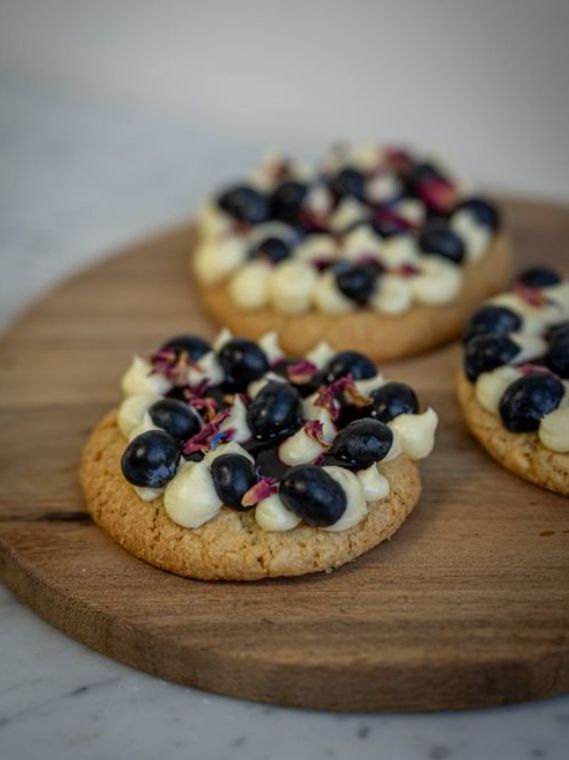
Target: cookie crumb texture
[[233, 546], [381, 337], [521, 453]]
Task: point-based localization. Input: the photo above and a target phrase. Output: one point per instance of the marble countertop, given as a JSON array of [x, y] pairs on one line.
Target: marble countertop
[[80, 178]]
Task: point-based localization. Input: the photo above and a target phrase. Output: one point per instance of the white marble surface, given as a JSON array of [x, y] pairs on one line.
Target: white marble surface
[[77, 179]]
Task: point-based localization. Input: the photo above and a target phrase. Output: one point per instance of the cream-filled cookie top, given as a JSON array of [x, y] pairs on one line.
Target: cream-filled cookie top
[[237, 425], [517, 355], [384, 233]]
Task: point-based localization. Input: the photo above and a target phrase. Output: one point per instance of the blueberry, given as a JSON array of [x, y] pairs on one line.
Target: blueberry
[[492, 320], [176, 418], [360, 444], [348, 362], [312, 494], [287, 200], [539, 277], [557, 357], [242, 362], [559, 332], [233, 475], [348, 181], [245, 204], [275, 411], [418, 174], [357, 281], [391, 400], [487, 352], [194, 346], [529, 399], [150, 460], [272, 249], [484, 212], [437, 239]]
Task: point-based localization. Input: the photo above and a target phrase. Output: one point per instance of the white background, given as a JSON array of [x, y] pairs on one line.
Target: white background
[[483, 81]]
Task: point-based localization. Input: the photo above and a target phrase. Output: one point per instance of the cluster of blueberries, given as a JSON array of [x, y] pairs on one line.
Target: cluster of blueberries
[[275, 413], [286, 203], [488, 345]]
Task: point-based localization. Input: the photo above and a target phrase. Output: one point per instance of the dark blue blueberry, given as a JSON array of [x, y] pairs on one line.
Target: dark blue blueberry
[[194, 346], [287, 200], [244, 204], [272, 249], [417, 174], [348, 362], [176, 418], [150, 460], [527, 400], [357, 281], [267, 461], [312, 494], [559, 332], [492, 320], [539, 277], [233, 475], [485, 213], [242, 362], [360, 444], [437, 239], [348, 182], [391, 400], [275, 411], [557, 356], [487, 352]]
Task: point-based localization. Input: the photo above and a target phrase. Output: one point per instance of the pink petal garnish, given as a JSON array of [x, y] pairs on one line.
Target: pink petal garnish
[[315, 429], [533, 296], [264, 488], [301, 372], [405, 270], [438, 194], [386, 215], [398, 159], [173, 366], [528, 369], [207, 406], [203, 439], [326, 396]]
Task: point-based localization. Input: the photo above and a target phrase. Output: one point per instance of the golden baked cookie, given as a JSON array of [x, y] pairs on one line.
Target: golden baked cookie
[[513, 386], [376, 250], [234, 462]]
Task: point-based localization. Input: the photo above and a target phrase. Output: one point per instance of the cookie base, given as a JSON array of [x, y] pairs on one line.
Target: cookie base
[[378, 336], [232, 546], [521, 453]]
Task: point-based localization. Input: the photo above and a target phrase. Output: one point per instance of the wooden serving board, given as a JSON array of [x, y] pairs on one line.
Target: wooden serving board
[[467, 606]]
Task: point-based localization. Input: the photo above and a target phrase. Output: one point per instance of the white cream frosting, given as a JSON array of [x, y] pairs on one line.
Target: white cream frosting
[[476, 237], [321, 354], [272, 515], [300, 448], [269, 343], [362, 241], [312, 412], [207, 368], [410, 209], [216, 259], [133, 409], [375, 486], [491, 386], [144, 426], [328, 298], [139, 378], [249, 287], [382, 187], [416, 433], [437, 283], [237, 421], [190, 498], [553, 430], [531, 346], [356, 507], [148, 494], [393, 295], [231, 447], [257, 385], [316, 247], [213, 222], [222, 337], [291, 285], [348, 211], [399, 251], [370, 384]]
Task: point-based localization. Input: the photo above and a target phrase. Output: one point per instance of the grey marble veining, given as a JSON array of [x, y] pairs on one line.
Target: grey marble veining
[[79, 178]]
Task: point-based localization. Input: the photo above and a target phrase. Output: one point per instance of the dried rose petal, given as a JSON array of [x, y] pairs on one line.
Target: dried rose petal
[[438, 194], [301, 372], [398, 159], [533, 296], [207, 406], [405, 270], [172, 365], [264, 488], [528, 369], [387, 216], [315, 429]]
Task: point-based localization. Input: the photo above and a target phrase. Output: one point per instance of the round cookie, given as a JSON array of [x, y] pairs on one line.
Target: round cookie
[[513, 388], [254, 490], [391, 266]]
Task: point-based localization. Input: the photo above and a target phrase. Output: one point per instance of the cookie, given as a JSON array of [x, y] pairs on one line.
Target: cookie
[[375, 250], [233, 462], [513, 388]]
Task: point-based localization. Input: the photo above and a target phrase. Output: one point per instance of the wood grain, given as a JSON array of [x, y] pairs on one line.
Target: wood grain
[[467, 606]]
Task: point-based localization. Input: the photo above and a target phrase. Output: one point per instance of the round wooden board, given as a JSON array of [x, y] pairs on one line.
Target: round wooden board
[[467, 606]]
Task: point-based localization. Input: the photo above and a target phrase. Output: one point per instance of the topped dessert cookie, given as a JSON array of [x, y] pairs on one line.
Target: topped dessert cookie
[[232, 461], [513, 388], [376, 250]]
